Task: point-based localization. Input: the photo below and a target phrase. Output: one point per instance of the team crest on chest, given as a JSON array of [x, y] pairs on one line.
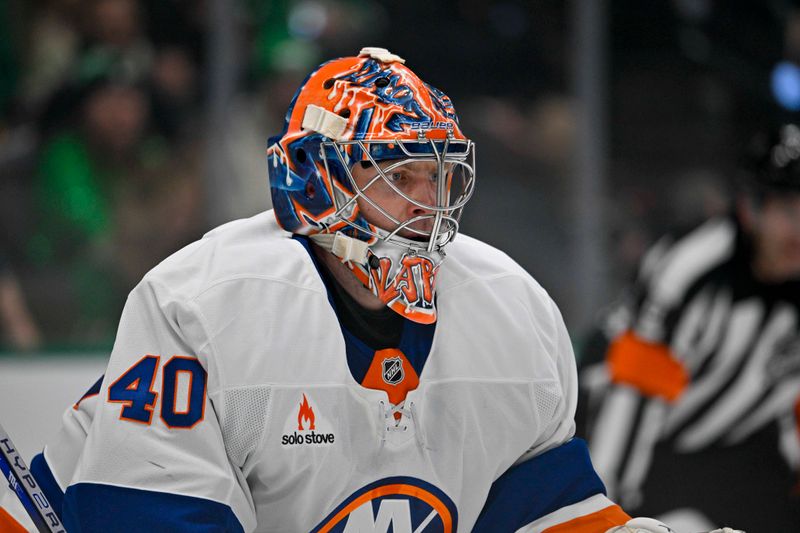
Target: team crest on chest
[[395, 504], [392, 370], [305, 427]]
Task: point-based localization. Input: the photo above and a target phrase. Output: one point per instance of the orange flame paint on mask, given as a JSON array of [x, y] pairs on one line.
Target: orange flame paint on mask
[[415, 280], [407, 281]]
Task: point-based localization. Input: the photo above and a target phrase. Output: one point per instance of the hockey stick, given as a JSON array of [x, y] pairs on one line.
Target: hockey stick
[[21, 481]]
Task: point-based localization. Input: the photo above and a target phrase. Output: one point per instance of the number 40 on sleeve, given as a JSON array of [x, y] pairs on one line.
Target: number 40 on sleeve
[[183, 391]]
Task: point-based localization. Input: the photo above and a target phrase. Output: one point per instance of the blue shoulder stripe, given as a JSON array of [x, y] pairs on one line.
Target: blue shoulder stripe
[[90, 507], [44, 476], [543, 484]]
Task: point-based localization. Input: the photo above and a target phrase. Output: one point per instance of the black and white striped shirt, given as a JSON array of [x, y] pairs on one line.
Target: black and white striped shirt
[[701, 325]]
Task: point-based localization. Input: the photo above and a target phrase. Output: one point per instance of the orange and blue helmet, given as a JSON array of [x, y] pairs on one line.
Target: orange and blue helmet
[[369, 110]]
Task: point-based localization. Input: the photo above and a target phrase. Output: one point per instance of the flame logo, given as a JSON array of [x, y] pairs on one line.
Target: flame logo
[[305, 413]]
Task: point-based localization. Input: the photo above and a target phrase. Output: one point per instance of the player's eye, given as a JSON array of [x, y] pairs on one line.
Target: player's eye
[[397, 177]]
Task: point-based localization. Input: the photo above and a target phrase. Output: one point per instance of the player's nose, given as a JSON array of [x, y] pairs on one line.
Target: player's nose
[[423, 196]]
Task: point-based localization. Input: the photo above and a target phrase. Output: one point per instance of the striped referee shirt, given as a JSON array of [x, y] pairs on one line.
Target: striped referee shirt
[[701, 376]]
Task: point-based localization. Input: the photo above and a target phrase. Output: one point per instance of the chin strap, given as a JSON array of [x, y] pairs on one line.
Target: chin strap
[[345, 248]]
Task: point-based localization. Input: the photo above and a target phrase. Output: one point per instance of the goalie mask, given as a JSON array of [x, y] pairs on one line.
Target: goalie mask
[[373, 166]]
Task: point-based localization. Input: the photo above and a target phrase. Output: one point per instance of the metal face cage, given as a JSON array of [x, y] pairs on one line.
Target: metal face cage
[[454, 183]]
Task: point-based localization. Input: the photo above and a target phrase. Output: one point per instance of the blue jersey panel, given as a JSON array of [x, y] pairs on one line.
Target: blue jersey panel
[[41, 471], [90, 507], [524, 493], [93, 391]]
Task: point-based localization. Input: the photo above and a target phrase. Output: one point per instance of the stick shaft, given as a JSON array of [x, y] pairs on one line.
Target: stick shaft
[[21, 481]]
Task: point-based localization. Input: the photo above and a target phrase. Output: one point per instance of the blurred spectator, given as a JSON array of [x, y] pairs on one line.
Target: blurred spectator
[[115, 36], [19, 329], [174, 92], [78, 172], [51, 50], [111, 198], [691, 384], [158, 208], [73, 42], [109, 182]]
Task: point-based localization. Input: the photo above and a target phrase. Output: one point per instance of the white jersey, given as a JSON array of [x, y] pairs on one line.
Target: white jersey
[[228, 384]]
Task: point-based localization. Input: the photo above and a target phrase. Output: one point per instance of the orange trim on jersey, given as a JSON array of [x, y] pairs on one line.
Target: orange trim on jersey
[[374, 376], [8, 524], [399, 489], [647, 366], [78, 403], [596, 522]]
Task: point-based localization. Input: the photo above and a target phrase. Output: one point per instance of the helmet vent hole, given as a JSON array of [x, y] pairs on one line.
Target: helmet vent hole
[[311, 191], [328, 83], [301, 156], [344, 113], [381, 82]]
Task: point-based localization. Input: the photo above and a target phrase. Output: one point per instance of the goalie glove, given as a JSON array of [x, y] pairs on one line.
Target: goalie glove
[[649, 525], [642, 525]]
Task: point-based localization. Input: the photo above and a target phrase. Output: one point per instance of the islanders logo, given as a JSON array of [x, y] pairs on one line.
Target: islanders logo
[[303, 427], [394, 504]]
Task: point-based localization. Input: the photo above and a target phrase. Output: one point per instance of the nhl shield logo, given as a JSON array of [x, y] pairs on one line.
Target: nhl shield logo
[[392, 370]]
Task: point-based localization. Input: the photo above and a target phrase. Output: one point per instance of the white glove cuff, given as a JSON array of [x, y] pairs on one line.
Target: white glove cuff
[[650, 525], [642, 525]]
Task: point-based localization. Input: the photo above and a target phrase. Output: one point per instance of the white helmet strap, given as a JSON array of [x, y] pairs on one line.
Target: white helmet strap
[[343, 246], [320, 120]]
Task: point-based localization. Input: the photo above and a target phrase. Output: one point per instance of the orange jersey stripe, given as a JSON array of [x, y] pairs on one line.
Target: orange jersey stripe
[[8, 524], [597, 522], [649, 367], [399, 489]]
